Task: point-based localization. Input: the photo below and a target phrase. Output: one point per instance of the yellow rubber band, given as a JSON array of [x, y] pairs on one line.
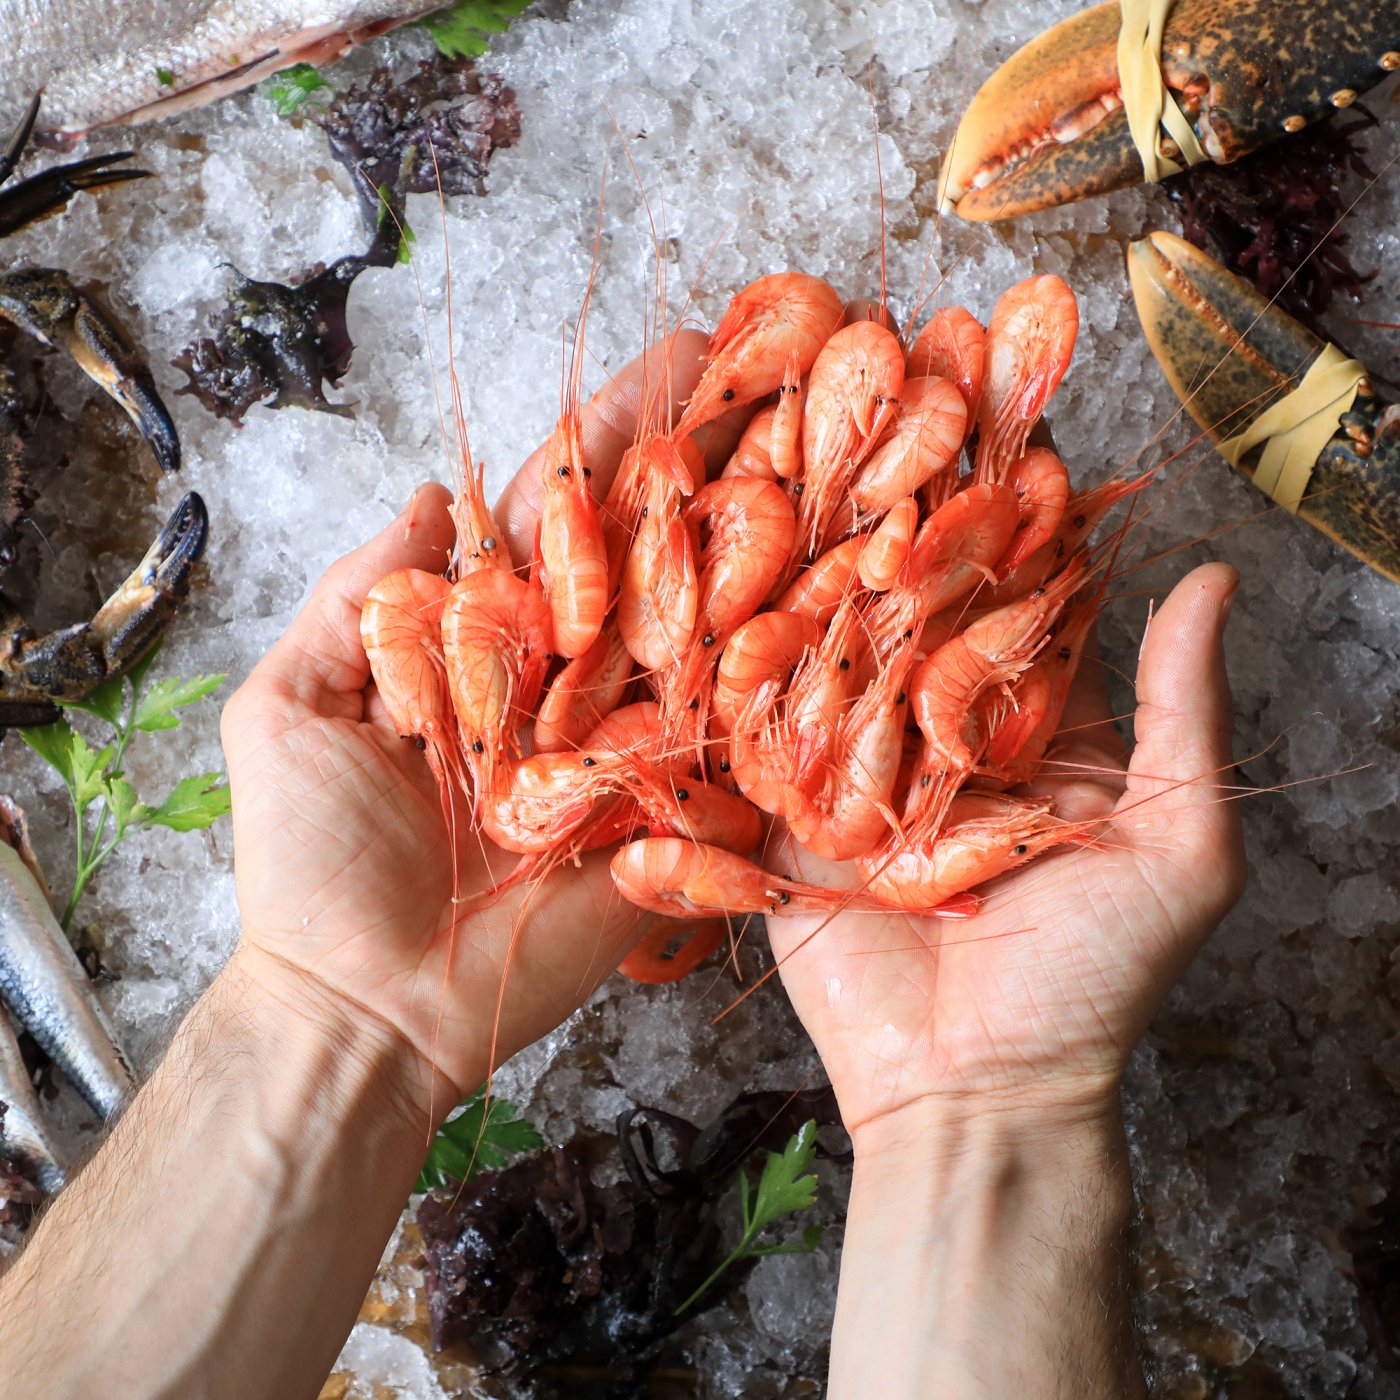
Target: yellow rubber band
[[1298, 427], [1147, 102]]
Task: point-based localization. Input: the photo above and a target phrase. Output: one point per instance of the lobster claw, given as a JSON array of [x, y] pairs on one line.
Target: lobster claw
[[1230, 355], [1048, 127]]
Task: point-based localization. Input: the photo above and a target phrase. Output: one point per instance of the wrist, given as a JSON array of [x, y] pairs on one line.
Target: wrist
[[302, 1019]]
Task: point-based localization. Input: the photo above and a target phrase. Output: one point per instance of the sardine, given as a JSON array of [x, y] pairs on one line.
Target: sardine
[[99, 63], [44, 985], [22, 1135]]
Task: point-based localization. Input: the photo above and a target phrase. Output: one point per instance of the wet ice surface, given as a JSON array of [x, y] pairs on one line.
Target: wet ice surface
[[1261, 1105]]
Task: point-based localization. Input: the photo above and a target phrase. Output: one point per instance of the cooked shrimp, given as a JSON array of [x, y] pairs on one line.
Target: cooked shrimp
[[753, 455], [1029, 344], [571, 546], [589, 688], [885, 551], [659, 593], [926, 440], [785, 438], [821, 587], [762, 653], [1041, 484], [952, 346], [786, 313]]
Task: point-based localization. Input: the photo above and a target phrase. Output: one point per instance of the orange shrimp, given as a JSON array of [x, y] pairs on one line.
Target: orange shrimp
[[401, 629], [753, 455], [1029, 345], [952, 346], [659, 594], [785, 438], [853, 395], [589, 688], [496, 639], [849, 809], [926, 440], [783, 314], [669, 949], [986, 835], [1041, 484], [681, 879], [995, 649], [570, 542], [820, 588], [885, 551], [761, 654], [534, 805]]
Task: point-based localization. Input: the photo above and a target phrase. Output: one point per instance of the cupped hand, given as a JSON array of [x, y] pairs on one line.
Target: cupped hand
[[344, 863], [1040, 997]]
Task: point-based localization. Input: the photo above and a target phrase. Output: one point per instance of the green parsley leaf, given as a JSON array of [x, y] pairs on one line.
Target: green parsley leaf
[[491, 1136], [784, 1187], [89, 770], [106, 702], [463, 30], [193, 804], [154, 711], [165, 77], [54, 744], [127, 809], [293, 88]]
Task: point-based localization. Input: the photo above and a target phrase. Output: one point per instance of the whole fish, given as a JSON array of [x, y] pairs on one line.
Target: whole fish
[[44, 985], [99, 63], [22, 1135]]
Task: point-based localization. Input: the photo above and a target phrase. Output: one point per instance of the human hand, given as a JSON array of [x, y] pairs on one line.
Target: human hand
[[345, 872], [1038, 1000]]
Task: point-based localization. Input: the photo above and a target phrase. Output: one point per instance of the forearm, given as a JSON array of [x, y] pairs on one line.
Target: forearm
[[986, 1256], [222, 1240]]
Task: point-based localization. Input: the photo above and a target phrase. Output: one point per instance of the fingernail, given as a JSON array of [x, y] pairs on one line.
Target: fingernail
[[1227, 603]]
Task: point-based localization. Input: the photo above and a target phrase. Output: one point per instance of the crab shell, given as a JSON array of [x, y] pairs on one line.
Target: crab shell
[[1048, 126], [1229, 355]]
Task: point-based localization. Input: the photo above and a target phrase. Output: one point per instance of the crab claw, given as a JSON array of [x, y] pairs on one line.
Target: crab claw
[[1048, 127], [1230, 355], [46, 303], [72, 663]]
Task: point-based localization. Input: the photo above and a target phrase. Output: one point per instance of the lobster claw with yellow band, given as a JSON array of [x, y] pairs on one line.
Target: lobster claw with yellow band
[[1288, 410], [1113, 96]]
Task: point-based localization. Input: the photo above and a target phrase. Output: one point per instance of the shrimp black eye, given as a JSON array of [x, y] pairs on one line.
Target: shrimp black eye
[[489, 543], [1065, 653], [924, 780], [694, 704], [645, 509], [724, 765], [682, 795], [589, 762], [797, 489], [476, 746], [1080, 521], [587, 472], [784, 897], [1021, 850], [727, 395], [708, 640], [900, 698], [1039, 593], [564, 471], [419, 742], [843, 664]]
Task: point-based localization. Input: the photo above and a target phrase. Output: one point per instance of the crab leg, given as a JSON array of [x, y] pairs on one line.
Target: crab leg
[[50, 307], [1048, 126], [1230, 355], [69, 664]]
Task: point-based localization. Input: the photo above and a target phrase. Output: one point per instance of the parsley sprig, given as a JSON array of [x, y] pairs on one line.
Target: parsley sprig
[[784, 1188], [291, 89], [464, 30], [478, 1139], [105, 804]]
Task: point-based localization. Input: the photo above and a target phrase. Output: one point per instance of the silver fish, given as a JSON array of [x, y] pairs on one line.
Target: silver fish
[[22, 1134], [44, 985], [99, 63]]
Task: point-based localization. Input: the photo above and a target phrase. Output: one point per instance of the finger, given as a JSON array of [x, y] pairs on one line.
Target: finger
[[647, 391], [1173, 807], [320, 653]]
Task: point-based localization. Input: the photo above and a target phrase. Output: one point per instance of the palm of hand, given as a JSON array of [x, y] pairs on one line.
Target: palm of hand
[[1044, 992]]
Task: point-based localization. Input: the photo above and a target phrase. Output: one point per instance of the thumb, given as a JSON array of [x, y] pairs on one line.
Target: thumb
[[1173, 805]]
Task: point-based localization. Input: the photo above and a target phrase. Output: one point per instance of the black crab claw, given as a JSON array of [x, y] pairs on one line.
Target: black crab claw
[[48, 305], [72, 663], [50, 190]]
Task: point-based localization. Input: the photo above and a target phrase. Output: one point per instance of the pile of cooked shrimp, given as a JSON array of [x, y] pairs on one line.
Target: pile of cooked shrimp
[[866, 627]]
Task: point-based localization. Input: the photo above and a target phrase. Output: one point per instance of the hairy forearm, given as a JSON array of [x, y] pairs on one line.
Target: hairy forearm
[[221, 1241], [986, 1256]]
